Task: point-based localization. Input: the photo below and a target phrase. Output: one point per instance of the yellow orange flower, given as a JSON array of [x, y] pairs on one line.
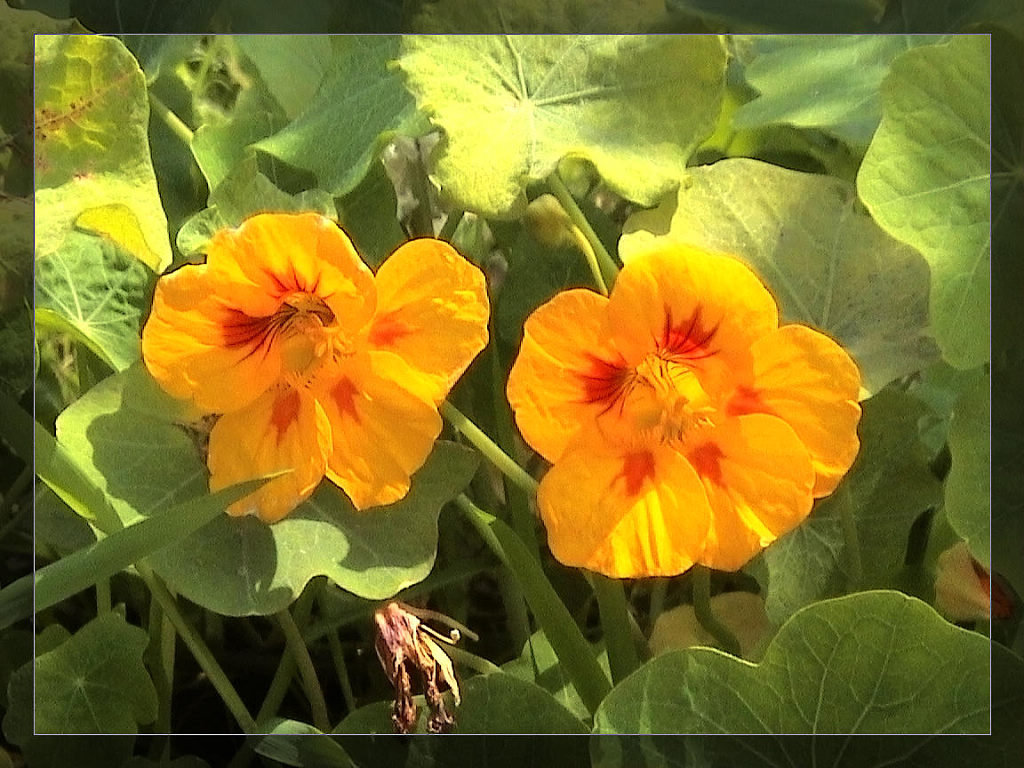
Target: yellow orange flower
[[684, 424], [317, 365]]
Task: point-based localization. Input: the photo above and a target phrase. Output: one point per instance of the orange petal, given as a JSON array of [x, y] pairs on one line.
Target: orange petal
[[273, 255], [383, 429], [624, 513], [705, 309], [283, 429], [565, 374], [432, 311], [198, 346], [808, 381], [758, 477]]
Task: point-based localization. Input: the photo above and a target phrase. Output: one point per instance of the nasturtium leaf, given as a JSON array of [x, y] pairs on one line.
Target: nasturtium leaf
[[925, 179], [940, 387], [360, 105], [828, 265], [369, 216], [874, 662], [95, 682], [827, 82], [821, 16], [968, 501], [126, 433], [888, 487], [91, 145], [535, 16], [91, 288], [285, 744], [244, 192], [292, 66], [512, 106]]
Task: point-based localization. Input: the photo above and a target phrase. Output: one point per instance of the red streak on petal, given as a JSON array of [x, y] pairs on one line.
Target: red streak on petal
[[1002, 604], [706, 460], [746, 400], [387, 329], [285, 412], [690, 339], [636, 468], [603, 381], [344, 393]]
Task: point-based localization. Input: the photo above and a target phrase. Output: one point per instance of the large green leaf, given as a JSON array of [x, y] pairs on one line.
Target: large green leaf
[[534, 16], [93, 682], [512, 106], [827, 263], [925, 179], [125, 433], [888, 487], [93, 289], [92, 153], [875, 662], [825, 82], [292, 66], [968, 499], [360, 105]]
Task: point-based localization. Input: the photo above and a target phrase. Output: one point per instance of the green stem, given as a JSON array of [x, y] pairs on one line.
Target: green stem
[[606, 266], [451, 224], [588, 252], [575, 655], [341, 669], [517, 615], [171, 120], [307, 671], [658, 590], [21, 482], [286, 667], [618, 635], [471, 660], [421, 219], [161, 662], [725, 639], [103, 596], [488, 448], [851, 540], [200, 651]]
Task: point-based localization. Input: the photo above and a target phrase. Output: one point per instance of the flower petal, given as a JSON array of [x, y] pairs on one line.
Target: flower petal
[[383, 428], [273, 255], [432, 311], [758, 478], [626, 513], [283, 429], [198, 346], [565, 372], [808, 381], [703, 308]]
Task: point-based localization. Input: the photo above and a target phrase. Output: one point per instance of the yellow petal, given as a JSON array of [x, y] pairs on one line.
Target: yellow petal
[[432, 311], [624, 513], [808, 381], [704, 309], [199, 346], [383, 429], [566, 372], [283, 429], [758, 478], [274, 255]]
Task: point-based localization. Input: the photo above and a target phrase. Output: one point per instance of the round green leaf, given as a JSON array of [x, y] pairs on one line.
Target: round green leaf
[[125, 433], [290, 65], [536, 16], [925, 179], [827, 263], [875, 662], [968, 502], [92, 150], [512, 106]]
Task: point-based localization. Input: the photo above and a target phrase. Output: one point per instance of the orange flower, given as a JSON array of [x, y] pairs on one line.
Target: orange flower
[[317, 365], [685, 426]]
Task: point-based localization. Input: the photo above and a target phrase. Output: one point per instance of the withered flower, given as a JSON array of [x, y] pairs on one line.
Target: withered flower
[[406, 645]]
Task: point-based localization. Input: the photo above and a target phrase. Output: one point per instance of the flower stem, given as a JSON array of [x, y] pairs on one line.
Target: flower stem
[[450, 225], [488, 448], [203, 656], [604, 267], [618, 636], [300, 653], [575, 655], [286, 667], [171, 120], [725, 639], [341, 669]]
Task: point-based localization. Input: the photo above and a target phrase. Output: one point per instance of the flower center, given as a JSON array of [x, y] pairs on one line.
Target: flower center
[[308, 328]]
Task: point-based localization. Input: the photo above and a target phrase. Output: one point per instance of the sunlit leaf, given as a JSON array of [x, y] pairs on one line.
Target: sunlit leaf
[[292, 66], [826, 262], [512, 106], [925, 179], [968, 500], [91, 144]]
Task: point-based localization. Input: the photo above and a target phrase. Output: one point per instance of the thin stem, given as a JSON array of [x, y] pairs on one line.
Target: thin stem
[[725, 639], [103, 596], [286, 667], [488, 448], [658, 590], [341, 669], [588, 252], [200, 651], [515, 607], [471, 660], [451, 224], [618, 635], [161, 662], [606, 265], [21, 482], [171, 120], [575, 655], [307, 671], [421, 219]]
